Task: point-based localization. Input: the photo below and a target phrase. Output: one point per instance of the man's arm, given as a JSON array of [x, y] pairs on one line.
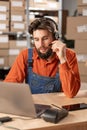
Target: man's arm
[[69, 75], [18, 70], [68, 68]]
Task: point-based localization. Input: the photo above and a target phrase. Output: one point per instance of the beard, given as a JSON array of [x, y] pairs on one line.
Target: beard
[[45, 55]]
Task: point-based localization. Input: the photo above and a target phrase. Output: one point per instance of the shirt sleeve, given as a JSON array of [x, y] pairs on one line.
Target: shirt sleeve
[[69, 75], [18, 70]]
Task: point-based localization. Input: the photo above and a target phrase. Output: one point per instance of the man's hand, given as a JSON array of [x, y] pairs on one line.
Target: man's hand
[[60, 49]]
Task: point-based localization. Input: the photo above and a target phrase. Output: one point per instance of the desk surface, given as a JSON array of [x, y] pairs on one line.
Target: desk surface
[[75, 120]]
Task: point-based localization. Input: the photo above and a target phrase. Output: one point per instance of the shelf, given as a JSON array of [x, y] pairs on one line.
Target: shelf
[[41, 9]]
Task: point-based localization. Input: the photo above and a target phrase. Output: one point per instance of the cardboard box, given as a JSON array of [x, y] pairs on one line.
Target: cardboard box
[[4, 61], [17, 5], [11, 60], [14, 52], [86, 63], [17, 16], [83, 78], [17, 44], [4, 52], [4, 6], [81, 57], [4, 41], [40, 1], [52, 5], [81, 2], [18, 27], [4, 26], [76, 27], [82, 10], [4, 16], [31, 3], [44, 4], [81, 46], [82, 68]]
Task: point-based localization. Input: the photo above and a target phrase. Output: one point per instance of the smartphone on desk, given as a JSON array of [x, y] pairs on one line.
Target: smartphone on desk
[[74, 107]]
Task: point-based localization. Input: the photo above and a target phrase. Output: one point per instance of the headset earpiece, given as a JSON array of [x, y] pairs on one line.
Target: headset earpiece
[[56, 35]]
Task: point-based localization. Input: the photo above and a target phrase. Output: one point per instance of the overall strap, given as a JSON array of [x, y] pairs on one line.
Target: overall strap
[[30, 64], [30, 55]]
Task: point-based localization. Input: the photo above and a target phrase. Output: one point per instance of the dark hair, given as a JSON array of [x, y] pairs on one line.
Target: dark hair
[[43, 23]]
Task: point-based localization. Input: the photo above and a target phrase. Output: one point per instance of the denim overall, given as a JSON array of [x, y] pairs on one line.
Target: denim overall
[[41, 84]]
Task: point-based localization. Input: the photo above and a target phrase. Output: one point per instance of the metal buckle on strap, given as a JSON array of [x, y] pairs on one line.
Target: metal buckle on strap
[[30, 64]]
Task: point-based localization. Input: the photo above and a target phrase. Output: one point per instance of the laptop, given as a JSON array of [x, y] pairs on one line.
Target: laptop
[[16, 99]]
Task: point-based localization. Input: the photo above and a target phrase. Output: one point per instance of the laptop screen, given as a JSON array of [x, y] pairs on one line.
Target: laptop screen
[[16, 98]]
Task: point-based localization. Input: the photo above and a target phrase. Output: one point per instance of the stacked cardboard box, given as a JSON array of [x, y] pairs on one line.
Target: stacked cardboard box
[[42, 7], [4, 16], [4, 27], [12, 18], [15, 46], [18, 25], [82, 7], [4, 58], [44, 4], [17, 15], [77, 30], [77, 27], [82, 44]]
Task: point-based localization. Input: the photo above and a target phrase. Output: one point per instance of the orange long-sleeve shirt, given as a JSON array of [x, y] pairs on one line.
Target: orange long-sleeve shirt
[[69, 73]]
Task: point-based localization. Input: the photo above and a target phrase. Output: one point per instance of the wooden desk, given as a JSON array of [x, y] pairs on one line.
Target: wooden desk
[[76, 120]]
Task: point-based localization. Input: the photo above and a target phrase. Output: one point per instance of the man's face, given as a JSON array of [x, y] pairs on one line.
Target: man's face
[[42, 39]]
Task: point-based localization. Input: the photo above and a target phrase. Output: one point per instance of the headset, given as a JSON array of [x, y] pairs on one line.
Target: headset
[[52, 26], [55, 33]]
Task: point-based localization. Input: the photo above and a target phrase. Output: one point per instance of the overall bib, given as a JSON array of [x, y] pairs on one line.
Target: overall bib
[[41, 84]]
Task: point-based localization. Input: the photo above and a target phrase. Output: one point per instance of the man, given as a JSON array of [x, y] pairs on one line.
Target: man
[[50, 66]]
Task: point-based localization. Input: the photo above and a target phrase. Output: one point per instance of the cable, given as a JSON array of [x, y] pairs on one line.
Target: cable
[[56, 106]]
